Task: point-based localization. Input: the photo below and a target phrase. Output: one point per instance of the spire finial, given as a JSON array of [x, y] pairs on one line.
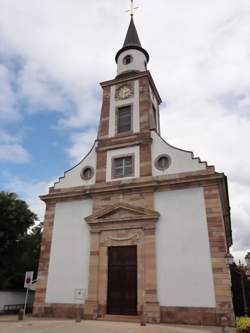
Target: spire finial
[[132, 40], [131, 10]]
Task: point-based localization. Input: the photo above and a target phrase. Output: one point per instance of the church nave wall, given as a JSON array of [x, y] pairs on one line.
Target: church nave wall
[[184, 271], [69, 258]]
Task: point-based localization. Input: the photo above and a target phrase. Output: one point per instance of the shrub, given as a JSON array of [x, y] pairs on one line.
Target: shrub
[[243, 324]]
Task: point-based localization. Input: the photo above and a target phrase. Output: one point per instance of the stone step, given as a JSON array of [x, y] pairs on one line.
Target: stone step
[[131, 319]]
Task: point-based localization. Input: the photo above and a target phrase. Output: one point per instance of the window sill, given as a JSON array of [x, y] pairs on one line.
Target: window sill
[[124, 134], [123, 179]]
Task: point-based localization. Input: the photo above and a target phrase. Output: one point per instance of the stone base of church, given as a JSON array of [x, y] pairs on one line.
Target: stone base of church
[[70, 311], [91, 310], [194, 316], [151, 311], [153, 314]]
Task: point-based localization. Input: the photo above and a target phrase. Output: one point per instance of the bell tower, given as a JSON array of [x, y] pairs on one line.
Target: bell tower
[[130, 110]]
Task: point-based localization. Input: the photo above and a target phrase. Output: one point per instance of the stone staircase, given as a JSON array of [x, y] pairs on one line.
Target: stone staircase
[[120, 318]]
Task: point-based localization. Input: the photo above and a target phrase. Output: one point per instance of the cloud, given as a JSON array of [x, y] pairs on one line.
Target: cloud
[[8, 110], [200, 60], [11, 149], [56, 69], [28, 191], [36, 87], [81, 143], [86, 111]]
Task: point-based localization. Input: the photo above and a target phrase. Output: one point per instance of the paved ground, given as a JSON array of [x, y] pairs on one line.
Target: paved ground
[[9, 324]]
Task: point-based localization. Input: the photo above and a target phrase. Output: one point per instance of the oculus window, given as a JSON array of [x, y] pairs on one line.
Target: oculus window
[[87, 173], [163, 162]]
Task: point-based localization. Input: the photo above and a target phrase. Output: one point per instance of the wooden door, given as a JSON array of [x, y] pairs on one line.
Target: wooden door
[[122, 280]]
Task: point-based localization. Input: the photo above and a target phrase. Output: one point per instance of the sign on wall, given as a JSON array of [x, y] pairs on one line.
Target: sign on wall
[[80, 294], [28, 279]]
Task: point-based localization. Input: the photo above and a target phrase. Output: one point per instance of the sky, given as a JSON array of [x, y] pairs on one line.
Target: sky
[[53, 54]]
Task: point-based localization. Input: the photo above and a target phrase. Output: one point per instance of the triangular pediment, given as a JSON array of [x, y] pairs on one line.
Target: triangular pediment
[[122, 212]]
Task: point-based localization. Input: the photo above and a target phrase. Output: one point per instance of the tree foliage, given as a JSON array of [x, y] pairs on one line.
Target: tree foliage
[[19, 241]]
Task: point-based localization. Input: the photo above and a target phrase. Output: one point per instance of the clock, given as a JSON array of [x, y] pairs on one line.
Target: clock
[[124, 92]]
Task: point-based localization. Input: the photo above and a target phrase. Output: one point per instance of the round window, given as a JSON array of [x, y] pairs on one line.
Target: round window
[[128, 59], [162, 162], [87, 173]]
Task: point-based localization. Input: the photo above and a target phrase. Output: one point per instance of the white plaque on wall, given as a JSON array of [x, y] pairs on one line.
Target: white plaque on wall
[[80, 294]]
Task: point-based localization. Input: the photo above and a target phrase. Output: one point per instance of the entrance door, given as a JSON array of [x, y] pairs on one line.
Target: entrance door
[[122, 280]]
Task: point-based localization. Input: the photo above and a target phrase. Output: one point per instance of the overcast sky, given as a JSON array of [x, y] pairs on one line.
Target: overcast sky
[[54, 53]]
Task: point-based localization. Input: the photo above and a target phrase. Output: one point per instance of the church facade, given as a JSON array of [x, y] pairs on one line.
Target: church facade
[[138, 226]]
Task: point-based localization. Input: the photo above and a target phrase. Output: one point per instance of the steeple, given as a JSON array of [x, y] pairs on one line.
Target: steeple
[[133, 54], [132, 38]]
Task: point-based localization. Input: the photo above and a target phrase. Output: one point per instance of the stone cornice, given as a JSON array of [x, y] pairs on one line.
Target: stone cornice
[[117, 142], [192, 179], [122, 212], [134, 77], [146, 224]]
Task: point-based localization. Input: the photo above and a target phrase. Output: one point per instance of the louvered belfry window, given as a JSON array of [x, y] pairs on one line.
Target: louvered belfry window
[[124, 119], [123, 167]]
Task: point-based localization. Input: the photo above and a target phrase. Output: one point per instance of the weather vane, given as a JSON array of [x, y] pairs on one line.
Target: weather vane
[[131, 10]]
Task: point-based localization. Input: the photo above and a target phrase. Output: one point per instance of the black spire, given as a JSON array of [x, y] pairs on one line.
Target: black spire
[[132, 38], [132, 41]]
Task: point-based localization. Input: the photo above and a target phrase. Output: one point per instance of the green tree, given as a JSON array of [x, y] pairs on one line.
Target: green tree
[[19, 241]]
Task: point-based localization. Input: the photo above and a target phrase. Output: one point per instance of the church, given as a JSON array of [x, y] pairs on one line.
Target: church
[[138, 227]]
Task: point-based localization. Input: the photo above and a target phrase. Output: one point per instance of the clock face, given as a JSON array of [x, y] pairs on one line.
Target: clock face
[[124, 92]]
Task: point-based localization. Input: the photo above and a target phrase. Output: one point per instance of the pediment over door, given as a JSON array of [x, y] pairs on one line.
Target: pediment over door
[[122, 212]]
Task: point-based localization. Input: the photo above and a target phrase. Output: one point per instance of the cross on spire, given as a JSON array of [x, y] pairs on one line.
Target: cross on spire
[[131, 10], [132, 40]]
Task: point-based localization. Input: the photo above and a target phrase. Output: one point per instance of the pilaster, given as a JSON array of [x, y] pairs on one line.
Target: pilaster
[[151, 304], [218, 249], [104, 118], [91, 304], [41, 285]]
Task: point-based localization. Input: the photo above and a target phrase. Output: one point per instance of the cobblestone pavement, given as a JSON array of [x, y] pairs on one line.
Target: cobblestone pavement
[[31, 325]]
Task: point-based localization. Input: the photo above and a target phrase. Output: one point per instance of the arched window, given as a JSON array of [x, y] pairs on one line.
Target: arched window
[[127, 59]]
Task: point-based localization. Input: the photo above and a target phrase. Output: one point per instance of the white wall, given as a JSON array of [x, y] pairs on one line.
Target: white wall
[[138, 63], [181, 161], [73, 178], [69, 259], [15, 297], [184, 271], [123, 152], [133, 100]]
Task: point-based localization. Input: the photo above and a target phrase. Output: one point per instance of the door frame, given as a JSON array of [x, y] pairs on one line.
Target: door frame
[[108, 267], [122, 224], [110, 239]]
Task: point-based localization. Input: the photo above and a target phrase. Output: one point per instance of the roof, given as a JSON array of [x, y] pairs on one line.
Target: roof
[[132, 41], [132, 38]]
